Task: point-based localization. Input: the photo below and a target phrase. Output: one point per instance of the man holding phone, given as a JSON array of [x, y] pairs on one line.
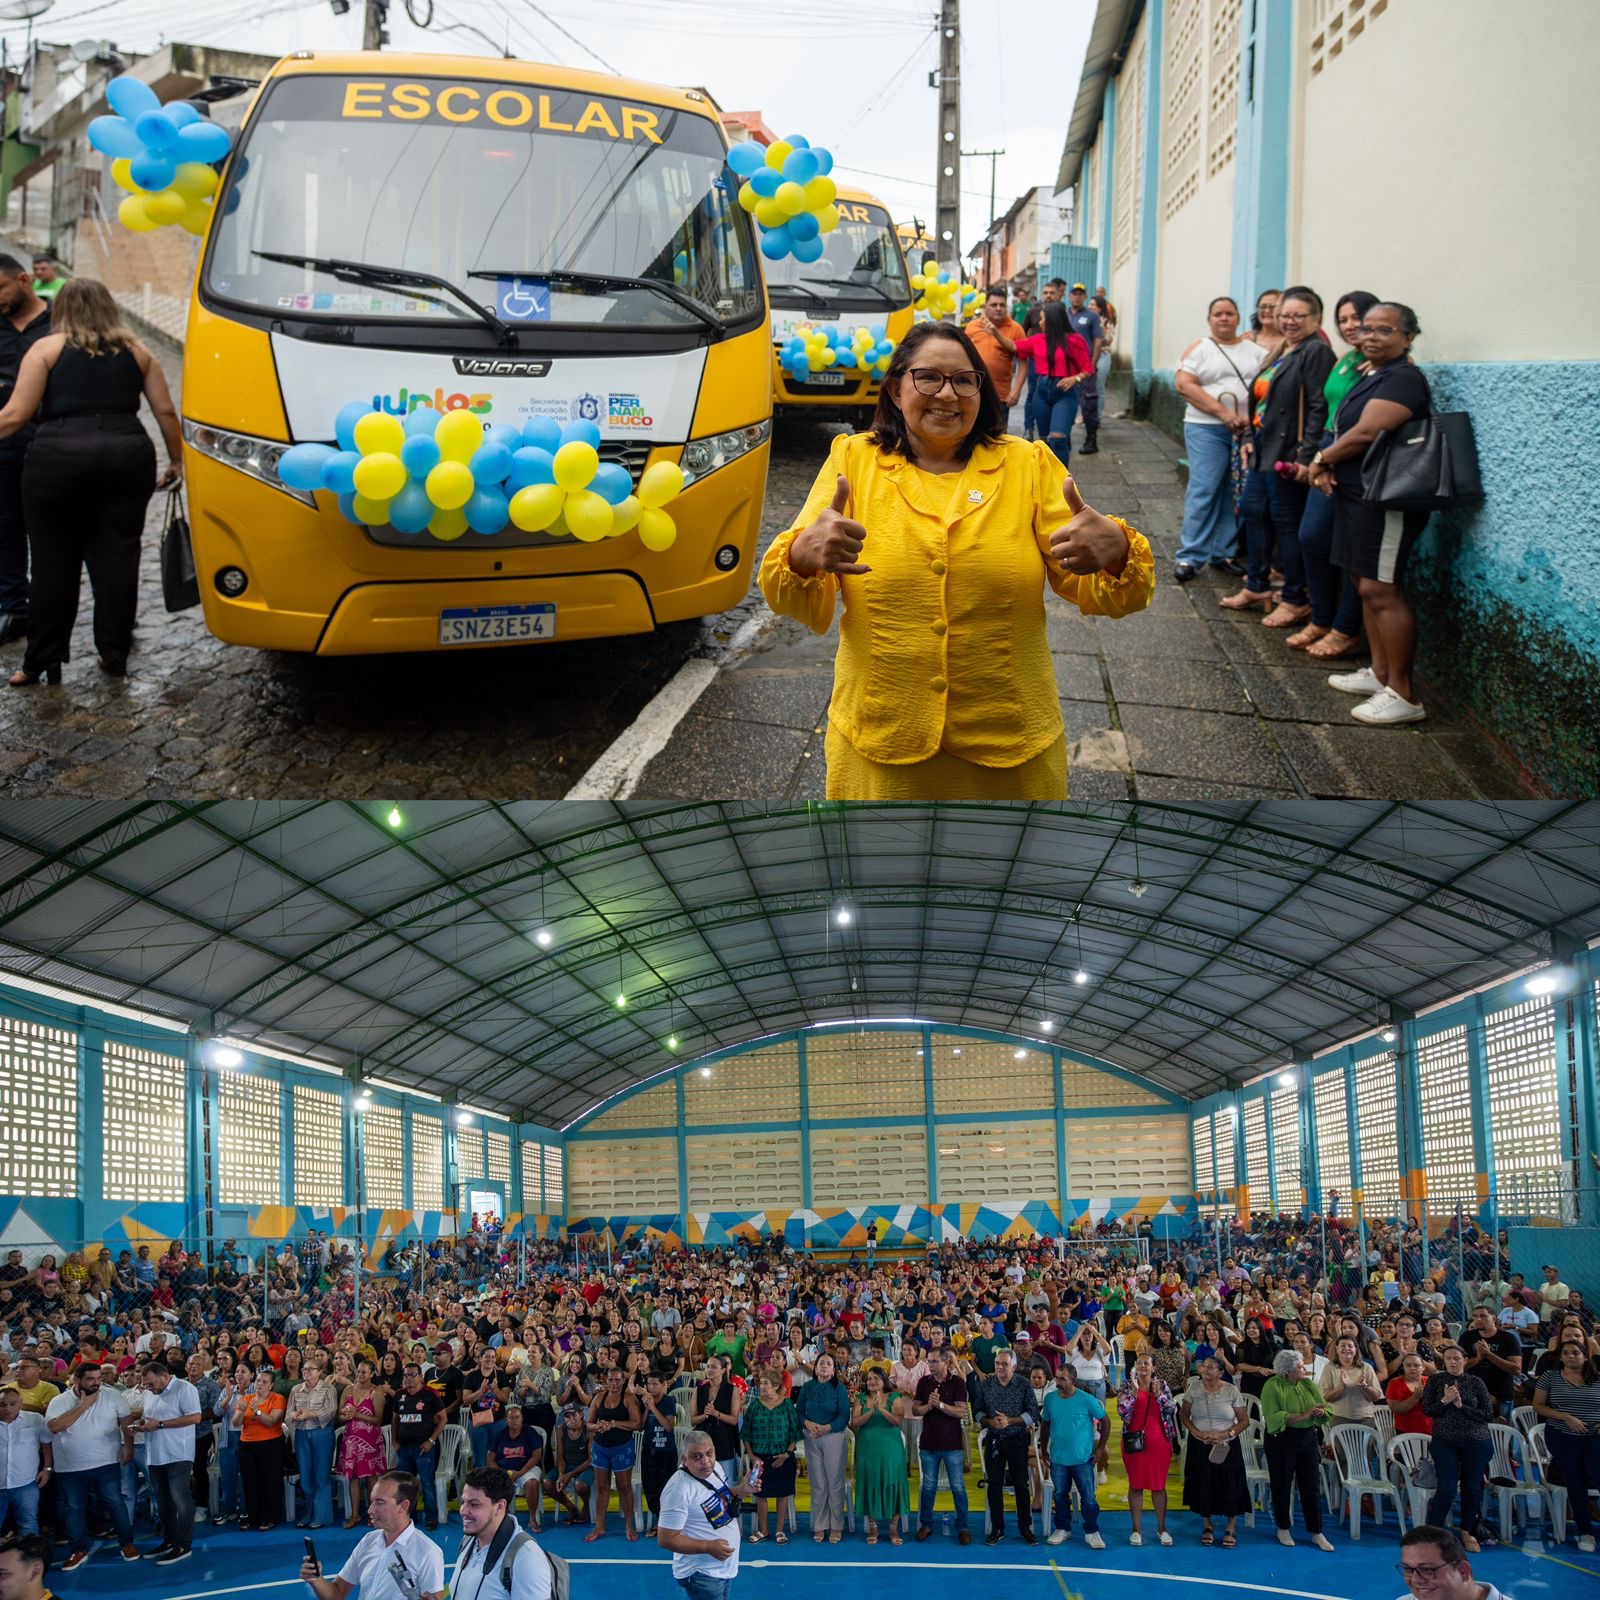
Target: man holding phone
[[396, 1561]]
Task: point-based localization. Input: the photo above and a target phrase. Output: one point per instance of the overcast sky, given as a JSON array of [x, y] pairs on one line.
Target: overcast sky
[[849, 74]]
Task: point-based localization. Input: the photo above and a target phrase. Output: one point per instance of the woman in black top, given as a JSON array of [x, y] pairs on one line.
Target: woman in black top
[[613, 1420], [1252, 1358], [717, 1405], [1461, 1409], [88, 476], [1368, 542]]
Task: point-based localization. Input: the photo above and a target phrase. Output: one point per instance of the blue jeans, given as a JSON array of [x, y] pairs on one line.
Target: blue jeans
[[1063, 1479], [1054, 411], [702, 1586], [1286, 501], [1208, 525], [932, 1461], [1463, 1465], [228, 1477], [72, 1496], [1335, 603], [22, 1505], [313, 1449], [408, 1458], [1027, 403], [1256, 530]]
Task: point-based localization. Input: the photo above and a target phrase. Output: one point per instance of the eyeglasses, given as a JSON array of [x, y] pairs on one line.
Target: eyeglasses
[[1366, 327], [1426, 1573], [1291, 316], [931, 381]]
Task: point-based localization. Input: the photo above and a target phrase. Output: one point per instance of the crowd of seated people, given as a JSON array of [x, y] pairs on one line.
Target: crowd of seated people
[[191, 1393]]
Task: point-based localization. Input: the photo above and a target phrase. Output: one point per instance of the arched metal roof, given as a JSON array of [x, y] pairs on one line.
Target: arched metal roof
[[1219, 940]]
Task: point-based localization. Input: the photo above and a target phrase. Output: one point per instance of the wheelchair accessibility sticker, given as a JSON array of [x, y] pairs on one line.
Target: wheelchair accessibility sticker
[[522, 300]]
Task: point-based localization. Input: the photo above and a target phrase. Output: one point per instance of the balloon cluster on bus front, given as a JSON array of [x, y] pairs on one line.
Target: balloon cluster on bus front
[[447, 474], [816, 349], [787, 189], [160, 156], [939, 294]]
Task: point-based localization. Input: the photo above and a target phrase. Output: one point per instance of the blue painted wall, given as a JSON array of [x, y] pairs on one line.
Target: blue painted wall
[[1149, 196]]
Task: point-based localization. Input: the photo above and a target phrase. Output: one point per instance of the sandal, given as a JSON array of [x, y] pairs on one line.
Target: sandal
[[894, 1538], [1207, 1537], [780, 1538], [817, 1538], [1246, 598], [1307, 636], [1285, 615], [1228, 1541], [835, 1536], [757, 1538], [1335, 646]]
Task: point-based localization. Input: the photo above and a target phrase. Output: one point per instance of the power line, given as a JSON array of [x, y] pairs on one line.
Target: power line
[[567, 33]]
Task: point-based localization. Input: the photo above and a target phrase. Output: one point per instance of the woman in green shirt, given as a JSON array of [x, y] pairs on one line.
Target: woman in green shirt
[[1292, 1406], [771, 1430], [1334, 630]]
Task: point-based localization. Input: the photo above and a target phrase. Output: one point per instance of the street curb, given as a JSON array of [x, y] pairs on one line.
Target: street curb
[[617, 771]]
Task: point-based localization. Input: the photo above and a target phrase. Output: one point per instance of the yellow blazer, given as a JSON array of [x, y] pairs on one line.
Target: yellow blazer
[[942, 645]]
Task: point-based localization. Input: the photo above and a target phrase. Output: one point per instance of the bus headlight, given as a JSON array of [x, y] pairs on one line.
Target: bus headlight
[[703, 456], [256, 458]]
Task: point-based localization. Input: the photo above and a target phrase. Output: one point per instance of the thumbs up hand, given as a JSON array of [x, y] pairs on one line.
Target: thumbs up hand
[[1090, 542], [832, 543]]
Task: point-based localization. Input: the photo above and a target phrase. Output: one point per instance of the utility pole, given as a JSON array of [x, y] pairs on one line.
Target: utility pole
[[947, 224], [988, 238], [374, 36]]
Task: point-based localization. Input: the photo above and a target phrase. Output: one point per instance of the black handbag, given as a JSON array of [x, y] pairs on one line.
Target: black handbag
[[1132, 1441], [180, 587], [1428, 464]]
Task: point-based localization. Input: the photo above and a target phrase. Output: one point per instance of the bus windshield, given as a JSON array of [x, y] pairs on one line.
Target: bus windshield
[[538, 204], [861, 266]]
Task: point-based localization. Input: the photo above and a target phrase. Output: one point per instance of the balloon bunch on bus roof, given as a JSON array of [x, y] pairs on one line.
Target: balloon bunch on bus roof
[[816, 349], [161, 156], [787, 189], [939, 294], [446, 475]]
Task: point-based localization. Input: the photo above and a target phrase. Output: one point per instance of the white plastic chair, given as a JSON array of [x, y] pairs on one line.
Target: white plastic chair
[[455, 1462], [1257, 1479], [1555, 1494], [1406, 1452], [1509, 1478], [1117, 1365], [1383, 1421], [1525, 1419], [1360, 1465]]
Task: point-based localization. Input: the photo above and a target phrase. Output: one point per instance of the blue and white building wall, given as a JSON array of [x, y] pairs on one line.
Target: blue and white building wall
[[1417, 149]]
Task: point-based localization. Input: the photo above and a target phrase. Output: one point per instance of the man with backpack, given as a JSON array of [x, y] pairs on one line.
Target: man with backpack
[[499, 1560]]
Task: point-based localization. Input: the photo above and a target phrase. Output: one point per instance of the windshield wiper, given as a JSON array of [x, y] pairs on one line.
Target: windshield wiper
[[798, 285], [606, 280], [845, 284], [399, 277]]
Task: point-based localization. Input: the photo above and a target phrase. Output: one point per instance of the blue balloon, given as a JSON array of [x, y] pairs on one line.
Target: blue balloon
[[203, 141], [944, 277], [344, 425], [424, 421], [582, 429], [302, 465], [531, 465], [746, 158], [411, 510], [115, 137], [488, 511], [824, 161], [797, 346], [504, 434], [799, 141], [347, 508], [847, 358], [766, 182], [612, 482], [182, 113], [339, 473], [804, 226], [152, 170], [130, 98], [420, 453], [490, 463], [885, 347], [542, 433], [157, 130], [878, 332], [776, 243], [808, 250], [800, 166]]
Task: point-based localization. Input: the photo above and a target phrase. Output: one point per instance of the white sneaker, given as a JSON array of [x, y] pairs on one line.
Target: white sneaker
[[1362, 681], [1094, 1541], [1285, 1537], [1321, 1541], [1058, 1536], [1163, 1537], [1586, 1543], [1386, 708], [1135, 1538], [1100, 1476]]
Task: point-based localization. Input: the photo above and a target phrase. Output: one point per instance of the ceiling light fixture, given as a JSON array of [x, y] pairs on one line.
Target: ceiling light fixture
[[463, 1119], [394, 819], [1019, 1055], [363, 1101], [672, 1041], [224, 1055], [1543, 983], [1080, 976], [956, 1051], [1389, 1036], [544, 938], [1138, 889], [842, 916], [1287, 1080], [1048, 1025], [705, 1072]]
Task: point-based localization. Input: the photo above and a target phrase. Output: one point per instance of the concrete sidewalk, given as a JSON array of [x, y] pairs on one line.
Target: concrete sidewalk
[[1184, 701]]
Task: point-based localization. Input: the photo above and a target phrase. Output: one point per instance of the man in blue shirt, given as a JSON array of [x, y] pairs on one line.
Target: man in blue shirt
[[1078, 1431], [1085, 320]]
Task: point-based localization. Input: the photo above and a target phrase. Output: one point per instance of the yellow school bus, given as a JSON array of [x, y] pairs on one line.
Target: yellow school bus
[[512, 239], [861, 280]]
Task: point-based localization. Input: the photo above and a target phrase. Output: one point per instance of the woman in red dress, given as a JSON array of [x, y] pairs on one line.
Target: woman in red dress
[[1149, 1415]]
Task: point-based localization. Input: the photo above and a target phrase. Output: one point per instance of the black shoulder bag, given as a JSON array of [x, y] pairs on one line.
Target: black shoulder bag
[[1427, 464], [180, 587]]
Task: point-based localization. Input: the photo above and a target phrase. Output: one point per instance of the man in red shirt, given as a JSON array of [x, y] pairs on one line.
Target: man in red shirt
[[1049, 1340]]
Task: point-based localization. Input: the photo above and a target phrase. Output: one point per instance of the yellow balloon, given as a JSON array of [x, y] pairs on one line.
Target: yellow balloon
[[820, 192], [381, 475], [660, 483], [625, 514], [132, 215], [828, 358], [657, 530], [575, 464], [770, 214], [588, 515], [122, 175], [373, 510], [450, 485], [377, 431], [196, 218], [828, 219], [195, 181], [164, 206], [448, 525], [791, 199], [778, 153], [533, 509], [748, 197], [458, 435]]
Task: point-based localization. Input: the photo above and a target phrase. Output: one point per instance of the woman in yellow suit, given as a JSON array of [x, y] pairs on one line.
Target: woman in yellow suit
[[939, 533]]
